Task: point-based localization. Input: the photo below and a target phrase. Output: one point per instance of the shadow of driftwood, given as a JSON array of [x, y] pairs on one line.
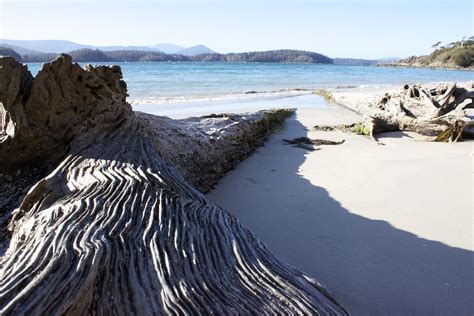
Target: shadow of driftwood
[[399, 134], [372, 267]]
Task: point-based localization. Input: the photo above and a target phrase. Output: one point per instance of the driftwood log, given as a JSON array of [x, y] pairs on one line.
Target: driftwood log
[[109, 225], [439, 112], [310, 144]]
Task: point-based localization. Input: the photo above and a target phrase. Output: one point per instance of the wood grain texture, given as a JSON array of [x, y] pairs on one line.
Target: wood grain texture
[[115, 228]]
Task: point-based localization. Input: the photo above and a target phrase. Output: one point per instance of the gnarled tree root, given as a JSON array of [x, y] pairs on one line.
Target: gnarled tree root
[[116, 229], [438, 113]]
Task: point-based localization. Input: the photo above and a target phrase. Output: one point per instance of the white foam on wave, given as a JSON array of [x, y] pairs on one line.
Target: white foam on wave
[[235, 96]]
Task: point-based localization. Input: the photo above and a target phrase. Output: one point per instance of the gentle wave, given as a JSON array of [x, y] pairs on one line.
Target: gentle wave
[[246, 95]]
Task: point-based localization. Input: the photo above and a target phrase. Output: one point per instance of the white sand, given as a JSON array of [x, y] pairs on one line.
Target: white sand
[[387, 228]]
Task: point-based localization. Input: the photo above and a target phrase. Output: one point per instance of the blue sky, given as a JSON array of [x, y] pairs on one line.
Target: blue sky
[[338, 28]]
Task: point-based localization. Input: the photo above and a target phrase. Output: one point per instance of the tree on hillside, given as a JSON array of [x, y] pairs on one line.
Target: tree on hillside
[[453, 44], [436, 45]]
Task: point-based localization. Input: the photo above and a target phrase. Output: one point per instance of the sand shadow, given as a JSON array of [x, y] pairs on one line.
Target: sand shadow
[[371, 266], [398, 134]]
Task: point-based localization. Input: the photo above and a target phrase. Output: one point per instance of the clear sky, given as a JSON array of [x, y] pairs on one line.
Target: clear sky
[[338, 28]]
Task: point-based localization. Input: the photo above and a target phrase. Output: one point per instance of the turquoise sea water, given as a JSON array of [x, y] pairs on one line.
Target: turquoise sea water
[[167, 83]]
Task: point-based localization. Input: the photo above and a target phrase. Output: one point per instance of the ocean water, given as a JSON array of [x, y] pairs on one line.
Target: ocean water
[[155, 86]]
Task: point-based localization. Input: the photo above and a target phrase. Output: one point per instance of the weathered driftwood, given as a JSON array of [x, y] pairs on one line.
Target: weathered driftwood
[[309, 144], [438, 112], [115, 228], [204, 148]]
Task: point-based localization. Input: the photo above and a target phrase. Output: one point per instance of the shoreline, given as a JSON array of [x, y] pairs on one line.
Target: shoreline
[[366, 220], [371, 222], [403, 65], [264, 100]]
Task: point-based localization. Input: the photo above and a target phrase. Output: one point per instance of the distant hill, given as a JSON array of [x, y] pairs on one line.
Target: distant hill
[[45, 46], [458, 54], [39, 57], [195, 50], [280, 56], [44, 50], [363, 62], [7, 51], [89, 55], [355, 62], [272, 56], [60, 46], [97, 55], [21, 50], [144, 56], [114, 48], [168, 48], [389, 59]]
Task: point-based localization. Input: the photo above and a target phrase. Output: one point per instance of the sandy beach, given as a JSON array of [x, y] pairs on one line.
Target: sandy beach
[[387, 228], [237, 158]]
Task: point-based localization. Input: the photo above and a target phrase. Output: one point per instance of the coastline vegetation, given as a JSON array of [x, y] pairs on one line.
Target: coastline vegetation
[[459, 54], [361, 129], [96, 55]]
